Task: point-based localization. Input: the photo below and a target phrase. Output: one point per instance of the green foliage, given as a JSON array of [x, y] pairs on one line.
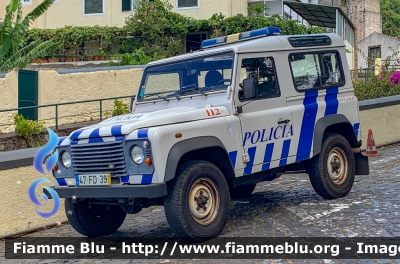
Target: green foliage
[[15, 50], [376, 87], [73, 38], [257, 10], [390, 10], [137, 57], [155, 30], [120, 108], [28, 128]]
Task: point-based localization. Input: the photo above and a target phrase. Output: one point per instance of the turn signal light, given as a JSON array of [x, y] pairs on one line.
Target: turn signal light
[[148, 161], [55, 167]]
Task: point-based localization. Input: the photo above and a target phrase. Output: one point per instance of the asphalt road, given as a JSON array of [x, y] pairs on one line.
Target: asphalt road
[[287, 206]]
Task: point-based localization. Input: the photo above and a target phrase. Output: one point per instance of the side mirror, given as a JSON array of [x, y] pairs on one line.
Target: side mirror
[[249, 88]]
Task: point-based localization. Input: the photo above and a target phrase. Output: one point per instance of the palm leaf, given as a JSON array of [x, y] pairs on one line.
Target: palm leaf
[[24, 56], [37, 12]]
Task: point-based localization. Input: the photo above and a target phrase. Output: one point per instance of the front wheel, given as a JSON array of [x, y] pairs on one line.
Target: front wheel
[[197, 205], [94, 220], [332, 171]]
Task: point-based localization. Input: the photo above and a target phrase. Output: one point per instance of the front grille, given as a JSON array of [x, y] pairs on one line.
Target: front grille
[[96, 158]]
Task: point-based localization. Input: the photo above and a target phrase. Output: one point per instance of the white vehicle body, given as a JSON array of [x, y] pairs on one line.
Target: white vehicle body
[[265, 135]]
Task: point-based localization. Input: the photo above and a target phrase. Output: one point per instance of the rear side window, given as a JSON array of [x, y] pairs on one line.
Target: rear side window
[[317, 70]]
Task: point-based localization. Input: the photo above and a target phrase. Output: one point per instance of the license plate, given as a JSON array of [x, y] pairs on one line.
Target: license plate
[[93, 179]]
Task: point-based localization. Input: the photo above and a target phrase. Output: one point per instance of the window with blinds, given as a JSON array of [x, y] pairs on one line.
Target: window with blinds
[[126, 5], [94, 7], [188, 3]]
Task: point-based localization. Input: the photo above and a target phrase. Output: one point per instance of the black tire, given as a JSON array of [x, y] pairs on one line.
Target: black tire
[[94, 222], [242, 191], [339, 182], [197, 179]]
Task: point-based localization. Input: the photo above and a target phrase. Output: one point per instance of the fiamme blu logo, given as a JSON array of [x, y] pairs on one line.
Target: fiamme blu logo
[[50, 162]]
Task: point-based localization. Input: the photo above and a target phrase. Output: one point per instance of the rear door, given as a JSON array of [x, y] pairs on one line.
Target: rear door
[[318, 77]]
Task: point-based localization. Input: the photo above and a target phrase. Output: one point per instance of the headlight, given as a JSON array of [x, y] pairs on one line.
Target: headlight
[[137, 155], [66, 159]]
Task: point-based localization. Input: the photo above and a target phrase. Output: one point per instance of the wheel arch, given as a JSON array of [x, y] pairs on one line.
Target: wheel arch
[[337, 124], [206, 148]]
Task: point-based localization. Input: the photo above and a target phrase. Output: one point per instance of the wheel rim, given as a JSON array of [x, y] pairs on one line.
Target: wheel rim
[[337, 165], [204, 201]]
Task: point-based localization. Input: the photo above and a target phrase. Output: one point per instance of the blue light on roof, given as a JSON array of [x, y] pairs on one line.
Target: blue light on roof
[[242, 36], [213, 42], [261, 32]]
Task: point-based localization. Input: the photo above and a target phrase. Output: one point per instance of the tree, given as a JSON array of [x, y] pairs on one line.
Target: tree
[[390, 10], [15, 51]]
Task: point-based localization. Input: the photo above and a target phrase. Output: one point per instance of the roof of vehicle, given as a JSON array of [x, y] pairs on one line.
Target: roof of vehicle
[[261, 44]]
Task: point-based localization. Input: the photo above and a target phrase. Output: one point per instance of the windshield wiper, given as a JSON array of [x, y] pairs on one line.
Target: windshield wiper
[[157, 94], [190, 90]]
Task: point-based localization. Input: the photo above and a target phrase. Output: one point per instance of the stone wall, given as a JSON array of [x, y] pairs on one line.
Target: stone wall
[[9, 100], [368, 17]]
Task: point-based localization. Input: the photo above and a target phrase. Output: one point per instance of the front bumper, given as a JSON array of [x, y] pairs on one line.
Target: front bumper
[[123, 191]]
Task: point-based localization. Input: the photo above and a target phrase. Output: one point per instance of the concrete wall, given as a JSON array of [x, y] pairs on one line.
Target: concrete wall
[[70, 86], [17, 212], [381, 115], [388, 46], [9, 99]]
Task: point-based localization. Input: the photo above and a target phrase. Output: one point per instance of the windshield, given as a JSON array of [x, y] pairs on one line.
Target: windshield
[[194, 76]]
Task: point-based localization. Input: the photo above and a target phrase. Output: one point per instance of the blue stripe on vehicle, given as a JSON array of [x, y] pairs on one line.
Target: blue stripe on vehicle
[[232, 157], [143, 133], [95, 133], [60, 140], [61, 182], [76, 134], [74, 142], [147, 178], [249, 165], [124, 179], [285, 152], [332, 102], [116, 130], [268, 156], [119, 138], [356, 129], [96, 140], [307, 126]]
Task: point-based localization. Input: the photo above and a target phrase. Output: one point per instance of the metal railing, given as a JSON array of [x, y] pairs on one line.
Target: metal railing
[[56, 106]]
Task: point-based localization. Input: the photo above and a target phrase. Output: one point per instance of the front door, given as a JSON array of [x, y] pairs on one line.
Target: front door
[[267, 133]]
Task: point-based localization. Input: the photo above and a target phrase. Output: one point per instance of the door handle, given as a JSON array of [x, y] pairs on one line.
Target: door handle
[[283, 122]]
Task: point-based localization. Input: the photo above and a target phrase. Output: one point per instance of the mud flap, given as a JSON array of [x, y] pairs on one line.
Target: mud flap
[[362, 164]]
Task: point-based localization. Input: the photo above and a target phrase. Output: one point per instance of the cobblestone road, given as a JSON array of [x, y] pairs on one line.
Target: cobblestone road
[[285, 207]]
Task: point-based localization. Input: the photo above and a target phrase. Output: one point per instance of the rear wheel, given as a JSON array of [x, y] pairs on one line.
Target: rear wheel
[[332, 171], [242, 191], [197, 205], [96, 220]]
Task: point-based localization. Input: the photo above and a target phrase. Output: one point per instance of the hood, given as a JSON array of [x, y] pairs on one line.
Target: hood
[[125, 124]]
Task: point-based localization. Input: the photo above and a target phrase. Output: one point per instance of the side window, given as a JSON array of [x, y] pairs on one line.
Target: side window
[[316, 70], [262, 70]]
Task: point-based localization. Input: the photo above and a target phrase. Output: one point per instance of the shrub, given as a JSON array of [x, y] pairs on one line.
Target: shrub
[[387, 84], [28, 128], [137, 57], [120, 108]]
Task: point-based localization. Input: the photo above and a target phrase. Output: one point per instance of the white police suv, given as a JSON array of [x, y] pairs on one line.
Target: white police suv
[[207, 126]]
